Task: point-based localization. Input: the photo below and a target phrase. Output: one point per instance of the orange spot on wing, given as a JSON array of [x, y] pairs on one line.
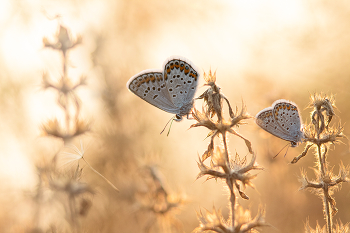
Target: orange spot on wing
[[140, 83], [193, 75]]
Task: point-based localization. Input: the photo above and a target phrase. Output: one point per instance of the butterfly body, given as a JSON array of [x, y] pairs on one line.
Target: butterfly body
[[282, 120], [171, 89]]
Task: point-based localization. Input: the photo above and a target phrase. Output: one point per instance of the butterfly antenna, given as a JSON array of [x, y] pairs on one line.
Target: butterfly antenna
[[281, 150], [287, 150], [171, 119], [171, 123]]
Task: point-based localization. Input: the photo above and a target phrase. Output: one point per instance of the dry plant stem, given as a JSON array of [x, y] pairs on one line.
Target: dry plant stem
[[319, 125], [225, 147], [64, 78], [326, 203], [64, 63], [232, 200], [229, 181]]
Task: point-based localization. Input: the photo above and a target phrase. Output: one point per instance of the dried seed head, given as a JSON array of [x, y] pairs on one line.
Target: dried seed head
[[323, 103], [54, 128], [211, 221], [214, 221], [339, 228], [203, 119], [213, 98], [320, 100], [210, 78], [46, 82], [63, 40], [81, 127]]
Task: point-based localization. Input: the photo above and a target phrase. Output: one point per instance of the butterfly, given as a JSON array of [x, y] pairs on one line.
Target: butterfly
[[171, 88], [282, 120]]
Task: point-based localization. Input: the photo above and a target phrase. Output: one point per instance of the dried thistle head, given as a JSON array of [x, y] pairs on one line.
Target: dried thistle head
[[54, 128], [155, 199], [213, 97], [70, 185], [329, 135], [339, 228], [214, 221], [319, 132], [210, 79], [234, 172], [324, 107], [211, 221], [320, 101], [66, 90], [326, 184], [245, 223], [63, 40], [221, 127], [204, 119]]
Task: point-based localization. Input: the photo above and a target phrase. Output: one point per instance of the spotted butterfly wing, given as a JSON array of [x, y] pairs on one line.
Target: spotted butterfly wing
[[282, 120], [171, 89], [181, 80], [287, 116], [150, 86], [266, 121]]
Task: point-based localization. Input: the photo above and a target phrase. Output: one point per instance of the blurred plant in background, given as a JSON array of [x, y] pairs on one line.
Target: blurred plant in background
[[156, 203], [62, 189], [66, 96]]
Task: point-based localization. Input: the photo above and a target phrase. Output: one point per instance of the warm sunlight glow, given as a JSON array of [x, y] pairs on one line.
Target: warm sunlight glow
[[81, 148], [16, 170], [20, 45], [5, 10], [282, 12]]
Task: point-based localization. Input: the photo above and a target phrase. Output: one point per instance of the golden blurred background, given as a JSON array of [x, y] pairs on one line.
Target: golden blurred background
[[261, 50]]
